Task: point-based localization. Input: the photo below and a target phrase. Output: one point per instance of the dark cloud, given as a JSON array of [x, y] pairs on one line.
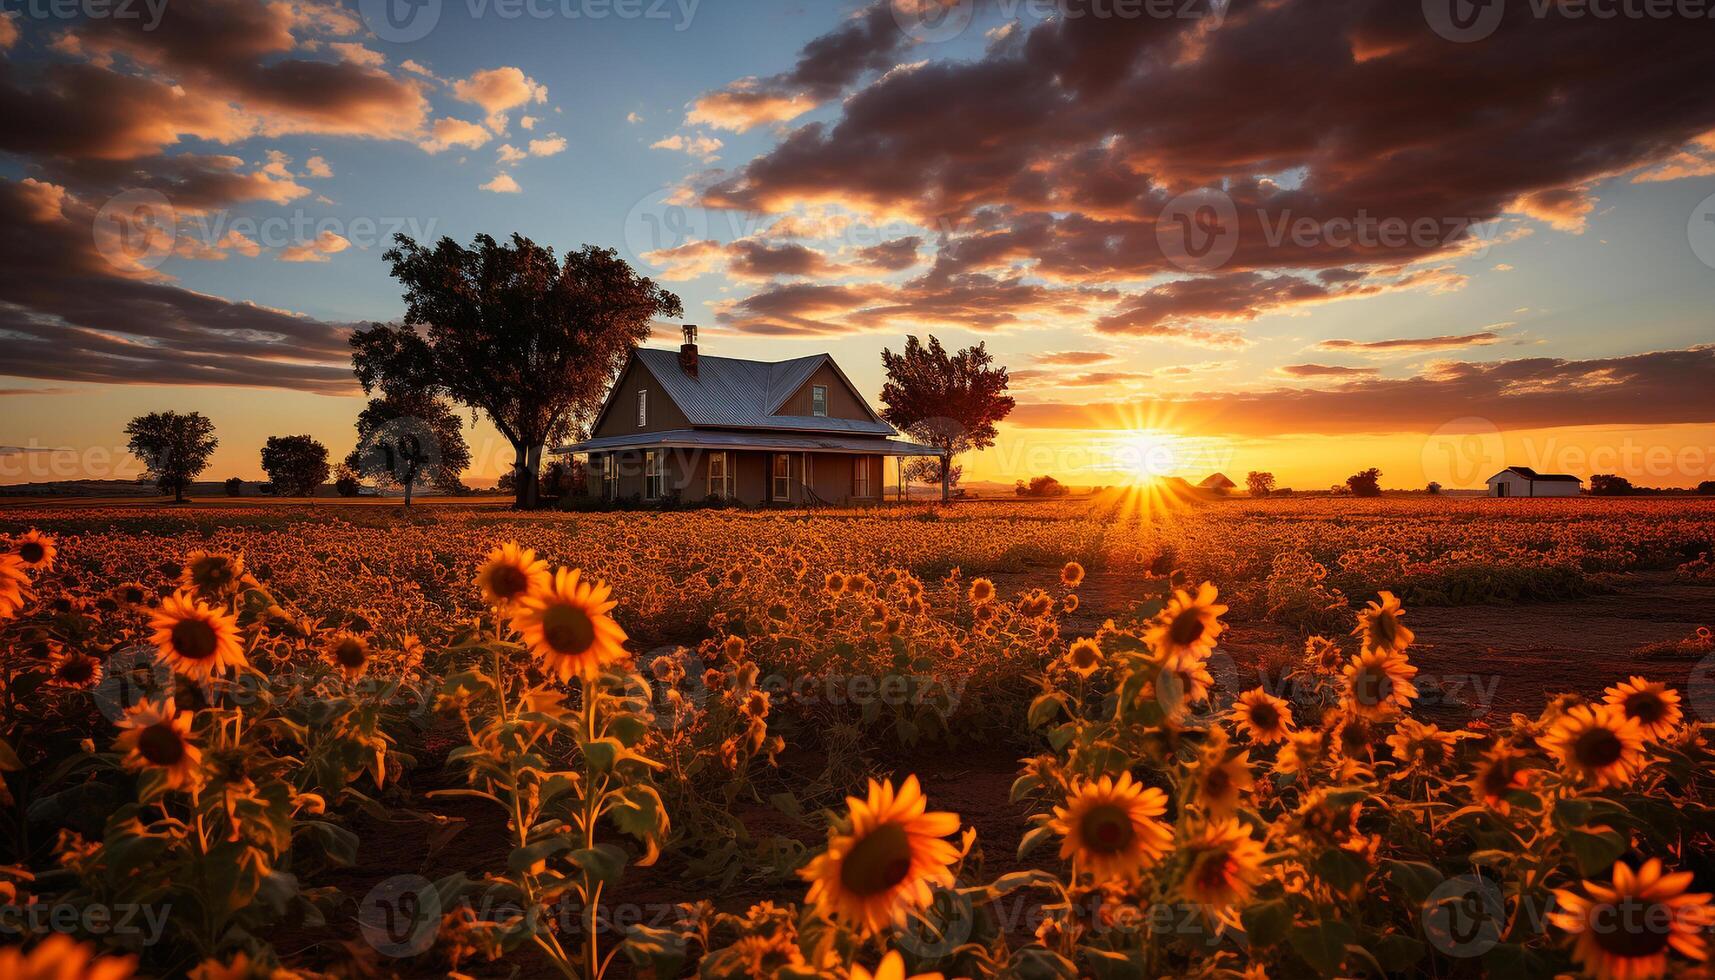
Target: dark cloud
[[1072, 358], [893, 256], [1412, 344], [1324, 371]]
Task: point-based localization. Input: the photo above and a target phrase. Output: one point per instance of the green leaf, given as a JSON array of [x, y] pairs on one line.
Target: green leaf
[[1032, 839], [1341, 868], [523, 858], [1043, 709], [1397, 952], [1414, 878], [1105, 965], [1266, 922], [640, 812], [1596, 851], [1322, 944], [9, 761], [603, 862]]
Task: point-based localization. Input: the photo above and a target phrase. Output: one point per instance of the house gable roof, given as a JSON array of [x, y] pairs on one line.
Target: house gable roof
[[1533, 475], [729, 392]]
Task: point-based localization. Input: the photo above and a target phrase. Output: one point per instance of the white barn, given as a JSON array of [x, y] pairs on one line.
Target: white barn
[[1522, 481]]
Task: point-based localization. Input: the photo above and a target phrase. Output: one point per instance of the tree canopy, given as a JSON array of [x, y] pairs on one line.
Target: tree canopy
[[297, 465], [526, 338], [410, 440], [173, 448], [951, 402]]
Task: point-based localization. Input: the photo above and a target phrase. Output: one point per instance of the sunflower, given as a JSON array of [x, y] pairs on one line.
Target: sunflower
[[1421, 747], [509, 574], [60, 957], [834, 583], [1109, 827], [195, 639], [1303, 751], [158, 736], [892, 968], [348, 653], [35, 549], [1597, 744], [1323, 654], [1380, 625], [1221, 778], [1654, 706], [132, 595], [567, 626], [981, 591], [14, 586], [1071, 574], [1502, 770], [1184, 680], [1189, 625], [1625, 930], [1376, 681], [1226, 864], [75, 670], [210, 573], [883, 858], [1262, 716], [1083, 657]]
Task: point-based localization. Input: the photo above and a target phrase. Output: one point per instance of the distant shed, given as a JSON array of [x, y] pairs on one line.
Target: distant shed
[[1522, 481]]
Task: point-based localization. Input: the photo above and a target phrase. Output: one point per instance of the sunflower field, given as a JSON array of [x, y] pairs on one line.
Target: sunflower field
[[1056, 740]]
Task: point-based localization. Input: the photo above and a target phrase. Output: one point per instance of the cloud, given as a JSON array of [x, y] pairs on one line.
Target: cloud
[[1072, 358], [510, 154], [548, 147], [68, 313], [1323, 371], [633, 118], [499, 91], [357, 54], [1655, 388], [8, 30], [325, 244], [704, 148], [893, 256], [1564, 208], [448, 132], [317, 167], [1411, 345], [502, 184]]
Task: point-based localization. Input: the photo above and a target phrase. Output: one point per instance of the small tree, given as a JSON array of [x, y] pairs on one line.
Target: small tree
[[1041, 486], [1609, 485], [234, 487], [1260, 484], [173, 448], [296, 465], [410, 440], [345, 482], [1434, 489], [1706, 488], [951, 402], [1366, 483], [927, 469]]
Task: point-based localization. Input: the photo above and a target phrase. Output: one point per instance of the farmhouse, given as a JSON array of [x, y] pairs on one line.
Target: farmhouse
[[683, 425], [1522, 481]]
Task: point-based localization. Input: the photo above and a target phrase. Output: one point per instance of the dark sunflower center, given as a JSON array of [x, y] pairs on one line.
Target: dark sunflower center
[[1083, 656], [1217, 782], [1265, 717], [214, 572], [508, 581], [32, 552], [879, 861], [568, 629], [194, 639], [1355, 739], [350, 653], [77, 670], [1646, 706], [1598, 748], [1214, 872], [133, 595], [1371, 687], [1497, 779], [1187, 628], [1631, 928], [161, 744], [1432, 753], [1107, 829], [1384, 629]]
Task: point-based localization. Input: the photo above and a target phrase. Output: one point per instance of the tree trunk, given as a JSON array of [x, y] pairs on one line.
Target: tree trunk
[[520, 476], [178, 491], [533, 489], [947, 478]]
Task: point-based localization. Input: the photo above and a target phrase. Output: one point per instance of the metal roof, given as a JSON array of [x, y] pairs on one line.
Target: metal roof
[[734, 393], [1533, 475], [719, 439]]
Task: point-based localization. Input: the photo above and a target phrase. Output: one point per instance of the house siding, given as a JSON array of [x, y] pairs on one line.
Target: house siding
[[621, 418], [686, 475], [843, 403]]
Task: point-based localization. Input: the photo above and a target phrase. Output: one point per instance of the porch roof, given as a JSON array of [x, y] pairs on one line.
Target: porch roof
[[770, 442]]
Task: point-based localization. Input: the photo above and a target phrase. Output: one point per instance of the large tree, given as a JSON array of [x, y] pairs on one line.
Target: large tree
[[410, 440], [529, 340], [297, 465], [951, 402], [173, 448]]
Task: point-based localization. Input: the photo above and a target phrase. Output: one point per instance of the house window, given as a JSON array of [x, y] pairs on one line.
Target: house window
[[610, 476], [860, 476], [654, 475], [810, 471], [642, 408], [819, 400], [782, 477], [720, 475]]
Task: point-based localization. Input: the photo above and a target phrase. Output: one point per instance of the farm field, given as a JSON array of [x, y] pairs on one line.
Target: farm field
[[1230, 738]]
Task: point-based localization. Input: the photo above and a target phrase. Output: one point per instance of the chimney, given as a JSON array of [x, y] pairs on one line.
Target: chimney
[[688, 351]]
